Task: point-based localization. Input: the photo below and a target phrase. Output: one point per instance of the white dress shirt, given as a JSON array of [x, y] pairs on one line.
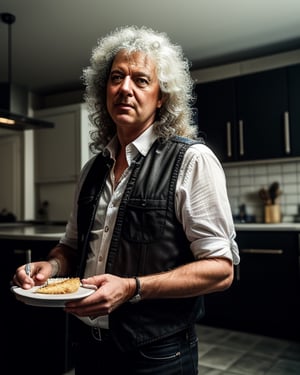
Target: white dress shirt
[[202, 206]]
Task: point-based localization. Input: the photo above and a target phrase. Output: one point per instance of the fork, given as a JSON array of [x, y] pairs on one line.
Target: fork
[[28, 269]]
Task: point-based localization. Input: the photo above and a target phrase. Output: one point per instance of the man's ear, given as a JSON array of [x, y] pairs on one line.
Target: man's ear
[[161, 100]]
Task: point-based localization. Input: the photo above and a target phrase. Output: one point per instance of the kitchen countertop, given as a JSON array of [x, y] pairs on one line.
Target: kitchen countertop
[[18, 231], [268, 227]]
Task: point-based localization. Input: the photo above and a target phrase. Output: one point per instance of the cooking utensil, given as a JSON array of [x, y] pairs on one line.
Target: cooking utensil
[[274, 192], [265, 196]]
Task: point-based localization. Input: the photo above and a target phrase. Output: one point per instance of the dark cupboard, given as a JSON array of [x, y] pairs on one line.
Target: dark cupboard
[[265, 295], [216, 106], [293, 76], [262, 102], [31, 333], [252, 117]]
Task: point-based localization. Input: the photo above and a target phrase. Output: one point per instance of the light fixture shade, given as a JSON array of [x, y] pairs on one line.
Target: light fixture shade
[[14, 121], [13, 98], [13, 103]]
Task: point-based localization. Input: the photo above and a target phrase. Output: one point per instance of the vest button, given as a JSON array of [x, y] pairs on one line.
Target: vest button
[[106, 229]]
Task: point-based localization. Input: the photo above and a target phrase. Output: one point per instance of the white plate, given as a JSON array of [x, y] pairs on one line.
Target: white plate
[[49, 300]]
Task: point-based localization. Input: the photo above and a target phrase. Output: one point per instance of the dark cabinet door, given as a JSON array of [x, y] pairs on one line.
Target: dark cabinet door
[[246, 118], [264, 297], [30, 332], [268, 283], [262, 104], [216, 116], [294, 108]]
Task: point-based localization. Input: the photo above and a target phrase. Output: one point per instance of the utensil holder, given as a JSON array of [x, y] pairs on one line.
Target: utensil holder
[[272, 213]]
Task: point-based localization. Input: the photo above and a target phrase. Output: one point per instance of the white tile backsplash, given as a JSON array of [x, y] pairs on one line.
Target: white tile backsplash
[[245, 181]]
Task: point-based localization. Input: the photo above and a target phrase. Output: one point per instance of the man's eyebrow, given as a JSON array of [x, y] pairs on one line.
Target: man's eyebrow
[[142, 73], [117, 70], [136, 73]]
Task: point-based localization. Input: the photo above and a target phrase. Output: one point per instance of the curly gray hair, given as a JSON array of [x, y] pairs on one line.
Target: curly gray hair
[[175, 116]]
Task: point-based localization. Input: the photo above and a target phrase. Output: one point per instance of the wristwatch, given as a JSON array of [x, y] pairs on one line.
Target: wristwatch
[[137, 295]]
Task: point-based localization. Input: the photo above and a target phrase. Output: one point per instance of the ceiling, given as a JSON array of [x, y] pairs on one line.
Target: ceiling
[[52, 39]]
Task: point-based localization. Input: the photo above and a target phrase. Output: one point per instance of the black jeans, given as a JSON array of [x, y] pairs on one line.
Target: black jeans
[[175, 355]]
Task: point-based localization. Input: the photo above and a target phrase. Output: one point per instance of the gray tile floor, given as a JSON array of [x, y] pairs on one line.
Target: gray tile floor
[[226, 352]]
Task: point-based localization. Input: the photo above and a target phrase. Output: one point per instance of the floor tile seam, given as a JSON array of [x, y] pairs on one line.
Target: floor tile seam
[[226, 347], [292, 361], [242, 338], [222, 347], [278, 363], [239, 349], [231, 369], [223, 340], [275, 354], [218, 369], [266, 355], [224, 367]]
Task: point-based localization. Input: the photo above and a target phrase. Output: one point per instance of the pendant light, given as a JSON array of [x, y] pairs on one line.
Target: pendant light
[[14, 98]]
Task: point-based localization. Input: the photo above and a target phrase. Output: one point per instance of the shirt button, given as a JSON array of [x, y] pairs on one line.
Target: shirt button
[[100, 258], [106, 229]]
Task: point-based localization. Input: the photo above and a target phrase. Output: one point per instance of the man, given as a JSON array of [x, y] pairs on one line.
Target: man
[[151, 225]]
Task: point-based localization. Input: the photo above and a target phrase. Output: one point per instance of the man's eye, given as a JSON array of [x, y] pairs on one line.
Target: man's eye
[[142, 81], [116, 78]]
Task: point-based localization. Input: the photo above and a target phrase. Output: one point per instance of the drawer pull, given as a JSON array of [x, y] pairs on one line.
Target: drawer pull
[[262, 251]]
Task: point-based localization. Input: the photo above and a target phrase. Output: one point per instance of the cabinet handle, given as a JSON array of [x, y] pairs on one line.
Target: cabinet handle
[[228, 132], [262, 251], [27, 254], [287, 143], [241, 131]]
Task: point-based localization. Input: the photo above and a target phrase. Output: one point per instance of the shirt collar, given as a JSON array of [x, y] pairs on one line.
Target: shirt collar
[[141, 145]]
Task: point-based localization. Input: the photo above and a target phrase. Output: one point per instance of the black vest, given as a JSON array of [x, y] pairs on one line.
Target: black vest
[[147, 239]]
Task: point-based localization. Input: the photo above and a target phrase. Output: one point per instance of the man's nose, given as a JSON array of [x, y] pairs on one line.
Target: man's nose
[[126, 86]]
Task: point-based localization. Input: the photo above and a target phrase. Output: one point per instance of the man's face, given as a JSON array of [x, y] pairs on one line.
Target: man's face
[[133, 92]]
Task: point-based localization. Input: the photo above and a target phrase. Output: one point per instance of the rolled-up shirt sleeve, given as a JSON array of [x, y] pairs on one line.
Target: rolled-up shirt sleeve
[[203, 207]]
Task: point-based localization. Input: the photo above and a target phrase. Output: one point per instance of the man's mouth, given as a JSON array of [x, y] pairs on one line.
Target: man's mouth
[[124, 106]]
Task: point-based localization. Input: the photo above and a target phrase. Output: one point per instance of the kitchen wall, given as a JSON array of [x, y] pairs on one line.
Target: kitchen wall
[[245, 180]]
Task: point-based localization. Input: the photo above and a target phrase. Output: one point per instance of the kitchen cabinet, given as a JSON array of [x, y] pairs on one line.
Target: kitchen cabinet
[[262, 102], [11, 179], [294, 108], [60, 154], [246, 117], [216, 106], [265, 295], [32, 335]]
